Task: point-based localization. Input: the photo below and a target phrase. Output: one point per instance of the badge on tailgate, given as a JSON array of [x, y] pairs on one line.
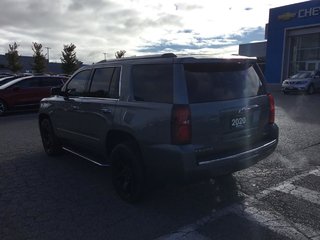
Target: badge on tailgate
[[238, 122]]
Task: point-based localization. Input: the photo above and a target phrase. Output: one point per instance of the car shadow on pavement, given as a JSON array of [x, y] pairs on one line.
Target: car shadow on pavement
[[66, 197]]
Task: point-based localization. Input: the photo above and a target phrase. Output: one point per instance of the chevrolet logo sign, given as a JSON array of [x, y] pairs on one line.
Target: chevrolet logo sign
[[287, 16]]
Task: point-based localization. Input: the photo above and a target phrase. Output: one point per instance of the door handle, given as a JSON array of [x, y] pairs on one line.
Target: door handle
[[105, 110]]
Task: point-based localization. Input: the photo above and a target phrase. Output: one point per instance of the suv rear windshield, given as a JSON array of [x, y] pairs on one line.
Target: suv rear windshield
[[207, 82]]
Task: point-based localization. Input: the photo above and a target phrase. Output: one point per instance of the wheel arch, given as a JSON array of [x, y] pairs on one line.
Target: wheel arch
[[43, 116], [5, 102], [115, 137]]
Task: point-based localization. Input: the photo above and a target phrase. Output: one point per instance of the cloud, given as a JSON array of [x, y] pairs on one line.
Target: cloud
[[138, 26], [187, 7], [192, 41]]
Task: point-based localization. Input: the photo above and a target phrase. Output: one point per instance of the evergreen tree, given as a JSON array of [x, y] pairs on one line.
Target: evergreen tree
[[120, 53], [69, 60], [38, 57], [13, 58]]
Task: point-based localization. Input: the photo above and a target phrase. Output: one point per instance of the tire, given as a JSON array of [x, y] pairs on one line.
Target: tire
[[127, 172], [50, 142], [311, 89], [3, 108]]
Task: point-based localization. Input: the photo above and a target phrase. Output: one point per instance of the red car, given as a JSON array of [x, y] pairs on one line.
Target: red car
[[26, 92]]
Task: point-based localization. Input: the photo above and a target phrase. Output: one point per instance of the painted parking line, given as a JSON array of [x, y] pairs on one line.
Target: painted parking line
[[316, 173], [269, 219], [191, 229], [279, 224], [300, 192], [288, 182]]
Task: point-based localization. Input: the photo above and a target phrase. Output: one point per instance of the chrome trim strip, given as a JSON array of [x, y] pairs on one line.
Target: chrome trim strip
[[240, 154], [86, 158]]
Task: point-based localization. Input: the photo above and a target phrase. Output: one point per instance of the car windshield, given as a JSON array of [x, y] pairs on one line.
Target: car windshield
[[301, 75]]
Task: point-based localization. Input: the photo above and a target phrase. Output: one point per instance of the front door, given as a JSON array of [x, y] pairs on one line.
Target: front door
[[67, 115]]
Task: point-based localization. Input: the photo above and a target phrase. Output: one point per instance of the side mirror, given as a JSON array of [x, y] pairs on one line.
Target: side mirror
[[56, 91]]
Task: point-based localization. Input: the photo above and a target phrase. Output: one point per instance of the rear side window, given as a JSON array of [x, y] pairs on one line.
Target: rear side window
[[28, 83], [222, 81], [105, 83], [153, 83]]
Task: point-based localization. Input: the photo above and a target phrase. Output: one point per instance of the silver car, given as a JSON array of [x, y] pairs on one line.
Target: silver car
[[308, 82]]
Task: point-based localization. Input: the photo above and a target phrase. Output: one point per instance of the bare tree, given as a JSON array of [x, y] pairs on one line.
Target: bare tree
[[120, 53], [69, 60], [39, 59]]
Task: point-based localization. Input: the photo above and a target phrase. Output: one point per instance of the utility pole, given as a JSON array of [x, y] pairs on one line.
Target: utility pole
[[48, 52], [105, 56]]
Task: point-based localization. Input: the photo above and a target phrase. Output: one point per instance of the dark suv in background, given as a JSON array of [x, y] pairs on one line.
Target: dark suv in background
[[162, 117], [26, 91]]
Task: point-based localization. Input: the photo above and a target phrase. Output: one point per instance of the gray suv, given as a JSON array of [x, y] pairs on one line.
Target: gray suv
[[162, 118]]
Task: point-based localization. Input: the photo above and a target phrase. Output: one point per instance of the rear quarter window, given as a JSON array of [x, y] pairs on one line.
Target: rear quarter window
[[153, 82], [222, 81]]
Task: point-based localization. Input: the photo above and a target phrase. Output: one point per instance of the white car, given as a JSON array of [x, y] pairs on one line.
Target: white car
[[308, 82]]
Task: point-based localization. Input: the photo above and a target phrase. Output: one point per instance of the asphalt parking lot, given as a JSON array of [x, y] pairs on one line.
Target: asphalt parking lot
[[68, 198]]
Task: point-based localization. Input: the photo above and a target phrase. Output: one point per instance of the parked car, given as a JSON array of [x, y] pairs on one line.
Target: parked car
[[11, 78], [3, 74], [26, 92], [307, 82], [162, 118]]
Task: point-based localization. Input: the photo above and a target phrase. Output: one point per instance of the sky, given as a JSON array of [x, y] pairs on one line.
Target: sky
[[138, 26]]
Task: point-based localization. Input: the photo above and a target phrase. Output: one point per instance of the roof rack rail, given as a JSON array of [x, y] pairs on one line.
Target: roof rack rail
[[163, 55]]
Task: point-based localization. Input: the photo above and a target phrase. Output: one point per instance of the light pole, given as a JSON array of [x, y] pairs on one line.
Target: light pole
[[105, 56], [48, 50]]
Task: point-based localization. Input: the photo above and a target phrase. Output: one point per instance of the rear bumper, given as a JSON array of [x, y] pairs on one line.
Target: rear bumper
[[167, 162]]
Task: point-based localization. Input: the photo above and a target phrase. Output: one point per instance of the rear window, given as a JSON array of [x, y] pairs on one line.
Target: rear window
[[153, 83], [222, 81]]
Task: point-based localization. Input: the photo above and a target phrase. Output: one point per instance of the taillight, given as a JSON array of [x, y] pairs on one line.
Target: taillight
[[271, 108], [181, 124]]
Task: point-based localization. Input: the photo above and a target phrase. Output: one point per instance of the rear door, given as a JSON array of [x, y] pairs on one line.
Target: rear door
[[229, 105], [25, 92], [97, 108]]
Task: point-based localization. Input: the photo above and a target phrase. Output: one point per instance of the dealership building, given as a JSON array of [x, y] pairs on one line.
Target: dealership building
[[293, 41]]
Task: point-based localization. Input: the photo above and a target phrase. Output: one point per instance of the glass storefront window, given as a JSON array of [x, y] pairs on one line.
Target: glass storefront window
[[304, 53]]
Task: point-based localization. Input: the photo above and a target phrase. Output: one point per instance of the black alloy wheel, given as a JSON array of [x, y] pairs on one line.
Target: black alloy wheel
[[127, 172], [50, 142]]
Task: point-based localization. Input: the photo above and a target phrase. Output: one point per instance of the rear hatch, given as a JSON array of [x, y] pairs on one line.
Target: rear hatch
[[229, 107]]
